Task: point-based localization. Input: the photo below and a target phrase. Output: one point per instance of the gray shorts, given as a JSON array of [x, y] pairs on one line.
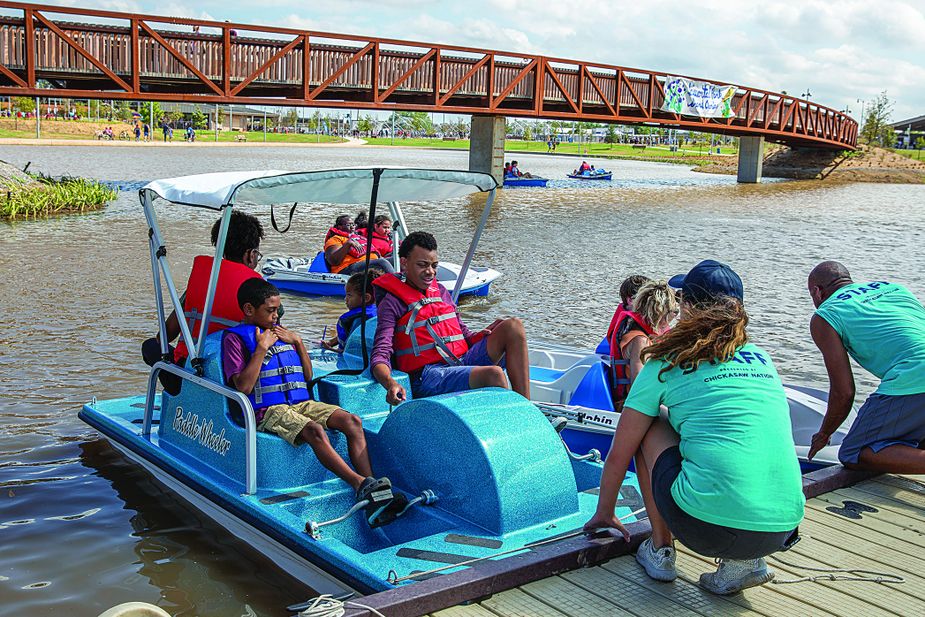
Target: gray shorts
[[885, 421]]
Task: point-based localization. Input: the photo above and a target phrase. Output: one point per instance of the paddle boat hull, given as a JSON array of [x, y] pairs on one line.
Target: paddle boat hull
[[313, 277], [197, 449], [592, 176], [520, 182], [574, 384]]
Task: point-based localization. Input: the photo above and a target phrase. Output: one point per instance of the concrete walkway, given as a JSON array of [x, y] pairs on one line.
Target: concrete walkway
[[177, 143]]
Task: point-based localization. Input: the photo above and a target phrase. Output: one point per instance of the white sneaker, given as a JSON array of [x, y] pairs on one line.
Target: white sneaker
[[658, 563], [733, 576]]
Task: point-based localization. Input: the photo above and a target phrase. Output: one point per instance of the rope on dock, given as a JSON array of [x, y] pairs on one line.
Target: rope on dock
[[328, 606], [837, 574]]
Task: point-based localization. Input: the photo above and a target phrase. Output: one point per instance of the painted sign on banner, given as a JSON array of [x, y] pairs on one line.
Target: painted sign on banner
[[698, 98]]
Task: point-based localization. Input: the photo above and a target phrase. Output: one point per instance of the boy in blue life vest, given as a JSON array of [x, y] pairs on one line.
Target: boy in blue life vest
[[270, 364], [353, 297]]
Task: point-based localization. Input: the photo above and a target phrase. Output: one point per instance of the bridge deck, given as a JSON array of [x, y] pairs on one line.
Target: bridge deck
[[888, 540], [172, 59]]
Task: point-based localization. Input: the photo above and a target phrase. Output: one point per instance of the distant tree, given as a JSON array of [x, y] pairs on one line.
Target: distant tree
[[920, 143], [24, 104], [123, 111], [528, 133], [877, 130], [221, 114], [146, 113], [611, 136], [199, 119], [365, 125]]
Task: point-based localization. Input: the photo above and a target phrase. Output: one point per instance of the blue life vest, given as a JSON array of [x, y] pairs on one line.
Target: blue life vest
[[281, 380], [348, 320]]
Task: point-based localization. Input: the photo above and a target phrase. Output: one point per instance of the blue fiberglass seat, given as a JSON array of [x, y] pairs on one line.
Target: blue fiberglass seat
[[319, 263]]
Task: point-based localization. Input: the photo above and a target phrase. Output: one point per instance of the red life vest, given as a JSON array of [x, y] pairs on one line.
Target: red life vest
[[360, 238], [225, 310], [382, 244], [622, 321], [429, 332]]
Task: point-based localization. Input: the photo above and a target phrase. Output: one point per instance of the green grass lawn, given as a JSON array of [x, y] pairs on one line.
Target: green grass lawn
[[590, 150], [224, 136], [912, 154]]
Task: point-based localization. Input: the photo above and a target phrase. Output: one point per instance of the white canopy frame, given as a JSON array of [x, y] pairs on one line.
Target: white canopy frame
[[222, 191]]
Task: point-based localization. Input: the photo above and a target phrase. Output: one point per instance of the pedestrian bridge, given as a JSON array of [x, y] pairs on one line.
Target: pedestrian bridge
[[85, 53]]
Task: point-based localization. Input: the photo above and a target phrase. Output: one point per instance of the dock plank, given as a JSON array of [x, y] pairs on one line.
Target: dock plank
[[915, 517], [574, 600], [764, 599], [471, 610], [633, 598], [885, 521], [517, 603], [680, 591]]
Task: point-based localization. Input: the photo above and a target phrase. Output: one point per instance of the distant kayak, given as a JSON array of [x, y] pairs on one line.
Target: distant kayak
[[597, 174], [525, 181]]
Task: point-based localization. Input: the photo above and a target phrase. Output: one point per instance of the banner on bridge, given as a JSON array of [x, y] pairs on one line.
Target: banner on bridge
[[698, 98]]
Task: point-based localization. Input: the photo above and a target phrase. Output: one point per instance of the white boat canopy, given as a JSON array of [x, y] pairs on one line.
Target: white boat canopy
[[337, 186]]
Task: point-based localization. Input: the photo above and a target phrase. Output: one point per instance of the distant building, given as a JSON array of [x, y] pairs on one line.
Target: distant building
[[233, 117], [908, 131]]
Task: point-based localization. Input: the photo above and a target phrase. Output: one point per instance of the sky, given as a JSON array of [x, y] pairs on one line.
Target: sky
[[840, 51]]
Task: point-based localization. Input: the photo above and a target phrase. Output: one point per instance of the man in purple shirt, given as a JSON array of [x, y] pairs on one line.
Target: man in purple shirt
[[501, 345]]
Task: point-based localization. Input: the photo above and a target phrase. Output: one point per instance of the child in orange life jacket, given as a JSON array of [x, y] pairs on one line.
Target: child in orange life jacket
[[353, 297], [270, 364]]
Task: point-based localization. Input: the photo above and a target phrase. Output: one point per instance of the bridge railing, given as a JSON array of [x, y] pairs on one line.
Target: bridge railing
[[159, 58]]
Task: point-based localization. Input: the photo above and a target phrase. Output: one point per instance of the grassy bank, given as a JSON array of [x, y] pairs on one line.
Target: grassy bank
[[43, 196], [687, 155]]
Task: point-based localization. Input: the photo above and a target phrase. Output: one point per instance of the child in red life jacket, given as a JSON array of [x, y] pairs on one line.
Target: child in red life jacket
[[270, 364], [354, 299]]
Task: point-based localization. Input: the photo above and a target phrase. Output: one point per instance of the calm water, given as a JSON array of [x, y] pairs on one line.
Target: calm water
[[81, 529]]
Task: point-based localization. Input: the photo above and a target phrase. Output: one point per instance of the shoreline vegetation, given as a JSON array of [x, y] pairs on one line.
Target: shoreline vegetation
[[24, 195], [867, 164]]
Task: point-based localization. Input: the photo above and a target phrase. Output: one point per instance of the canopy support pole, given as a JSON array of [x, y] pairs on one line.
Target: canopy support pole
[[472, 246], [213, 283]]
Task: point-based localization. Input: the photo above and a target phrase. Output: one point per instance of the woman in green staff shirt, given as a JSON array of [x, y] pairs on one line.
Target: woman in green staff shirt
[[720, 472]]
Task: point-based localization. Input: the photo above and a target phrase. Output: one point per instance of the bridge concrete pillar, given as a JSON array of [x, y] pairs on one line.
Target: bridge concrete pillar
[[751, 158], [486, 146]]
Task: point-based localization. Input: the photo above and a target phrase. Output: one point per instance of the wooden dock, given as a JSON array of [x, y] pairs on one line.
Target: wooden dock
[[888, 540]]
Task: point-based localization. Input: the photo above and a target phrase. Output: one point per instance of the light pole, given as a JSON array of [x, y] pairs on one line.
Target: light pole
[[807, 95], [861, 101]]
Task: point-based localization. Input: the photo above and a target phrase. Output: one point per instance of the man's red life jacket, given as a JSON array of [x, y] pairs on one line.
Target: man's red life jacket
[[623, 320], [225, 310], [429, 332]]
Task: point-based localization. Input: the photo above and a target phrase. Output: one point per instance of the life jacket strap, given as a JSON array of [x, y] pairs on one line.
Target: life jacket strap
[[277, 349], [415, 308], [283, 370], [259, 391], [421, 348], [448, 356]]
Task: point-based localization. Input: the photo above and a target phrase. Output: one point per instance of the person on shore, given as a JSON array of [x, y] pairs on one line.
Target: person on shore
[[438, 351], [652, 309], [146, 129], [258, 357], [240, 260], [359, 301], [345, 250], [720, 473], [137, 131], [881, 325]]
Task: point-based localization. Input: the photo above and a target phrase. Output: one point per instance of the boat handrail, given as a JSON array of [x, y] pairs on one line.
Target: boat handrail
[[247, 410]]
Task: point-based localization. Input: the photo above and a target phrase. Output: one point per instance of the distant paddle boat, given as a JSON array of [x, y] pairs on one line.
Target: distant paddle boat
[[596, 174], [485, 474], [534, 181]]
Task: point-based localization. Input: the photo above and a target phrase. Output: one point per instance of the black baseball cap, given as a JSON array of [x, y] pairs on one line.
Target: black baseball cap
[[708, 280]]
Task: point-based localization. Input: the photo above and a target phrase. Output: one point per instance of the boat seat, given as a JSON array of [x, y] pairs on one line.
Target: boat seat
[[319, 263], [279, 465], [541, 373]]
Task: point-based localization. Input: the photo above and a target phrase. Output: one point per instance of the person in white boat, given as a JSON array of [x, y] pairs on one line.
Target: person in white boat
[[650, 311], [881, 325], [270, 364], [345, 249], [720, 473]]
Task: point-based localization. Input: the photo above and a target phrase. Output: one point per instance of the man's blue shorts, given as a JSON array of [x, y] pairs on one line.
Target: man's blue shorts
[[443, 378], [885, 421]]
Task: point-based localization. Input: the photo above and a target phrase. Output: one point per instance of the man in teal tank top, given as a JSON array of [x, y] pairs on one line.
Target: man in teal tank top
[[881, 325]]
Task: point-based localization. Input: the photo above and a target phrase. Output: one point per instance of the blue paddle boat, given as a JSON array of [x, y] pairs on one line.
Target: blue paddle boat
[[520, 182], [484, 472], [575, 384], [597, 174]]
